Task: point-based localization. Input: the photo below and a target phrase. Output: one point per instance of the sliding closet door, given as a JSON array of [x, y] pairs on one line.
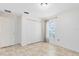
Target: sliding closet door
[[7, 31], [31, 31]]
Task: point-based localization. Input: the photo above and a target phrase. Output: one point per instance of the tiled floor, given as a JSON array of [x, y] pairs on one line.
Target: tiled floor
[[37, 49]]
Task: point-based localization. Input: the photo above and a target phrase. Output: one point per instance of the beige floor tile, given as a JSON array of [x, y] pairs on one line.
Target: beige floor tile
[[37, 49]]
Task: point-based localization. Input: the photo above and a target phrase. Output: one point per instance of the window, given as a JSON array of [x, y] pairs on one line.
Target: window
[[51, 29]]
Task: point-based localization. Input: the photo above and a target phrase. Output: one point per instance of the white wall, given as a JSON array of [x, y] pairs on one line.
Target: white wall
[[43, 27], [67, 30], [18, 32], [31, 30]]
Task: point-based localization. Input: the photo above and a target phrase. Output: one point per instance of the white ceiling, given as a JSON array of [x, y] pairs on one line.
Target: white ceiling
[[36, 10]]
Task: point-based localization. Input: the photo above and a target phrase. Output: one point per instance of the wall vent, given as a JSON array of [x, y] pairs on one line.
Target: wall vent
[[7, 11]]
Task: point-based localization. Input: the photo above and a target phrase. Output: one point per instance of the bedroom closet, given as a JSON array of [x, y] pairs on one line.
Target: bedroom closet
[[8, 28], [22, 29], [31, 30]]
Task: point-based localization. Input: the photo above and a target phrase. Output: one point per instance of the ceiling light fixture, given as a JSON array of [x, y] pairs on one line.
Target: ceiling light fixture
[[44, 4]]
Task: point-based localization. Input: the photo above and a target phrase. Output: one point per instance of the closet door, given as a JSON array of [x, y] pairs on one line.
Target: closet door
[[31, 31], [7, 31]]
